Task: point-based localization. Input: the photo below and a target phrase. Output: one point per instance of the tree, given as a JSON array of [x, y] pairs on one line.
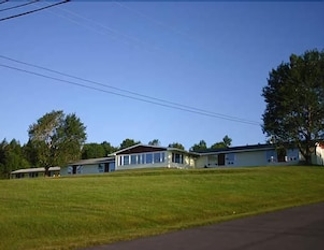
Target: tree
[[93, 150], [108, 148], [155, 142], [227, 141], [199, 147], [11, 157], [176, 145], [128, 143], [294, 100], [57, 138]]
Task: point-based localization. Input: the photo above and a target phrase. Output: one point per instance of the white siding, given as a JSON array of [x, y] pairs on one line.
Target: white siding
[[318, 157]]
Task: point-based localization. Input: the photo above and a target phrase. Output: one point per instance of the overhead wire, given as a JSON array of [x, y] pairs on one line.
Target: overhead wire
[[20, 5], [184, 107], [32, 11], [4, 1], [116, 33], [153, 100]]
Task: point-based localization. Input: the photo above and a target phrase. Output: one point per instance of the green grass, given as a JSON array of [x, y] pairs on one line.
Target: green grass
[[71, 213]]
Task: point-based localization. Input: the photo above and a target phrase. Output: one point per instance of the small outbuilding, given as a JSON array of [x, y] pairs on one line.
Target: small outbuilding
[[34, 172]]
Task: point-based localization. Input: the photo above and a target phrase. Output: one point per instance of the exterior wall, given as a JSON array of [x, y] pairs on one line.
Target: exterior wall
[[64, 171], [318, 157], [247, 159], [257, 158]]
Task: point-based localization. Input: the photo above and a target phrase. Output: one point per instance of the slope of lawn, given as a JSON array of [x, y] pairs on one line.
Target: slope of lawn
[[75, 212]]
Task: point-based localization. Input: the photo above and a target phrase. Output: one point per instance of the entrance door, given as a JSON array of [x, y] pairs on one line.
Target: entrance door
[[106, 167], [221, 159]]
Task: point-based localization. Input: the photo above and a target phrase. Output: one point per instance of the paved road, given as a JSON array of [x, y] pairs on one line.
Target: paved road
[[292, 229]]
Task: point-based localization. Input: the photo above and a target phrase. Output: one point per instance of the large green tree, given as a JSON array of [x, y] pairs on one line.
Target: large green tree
[[176, 145], [294, 100], [57, 138], [128, 143], [202, 145], [94, 150], [154, 142], [226, 142]]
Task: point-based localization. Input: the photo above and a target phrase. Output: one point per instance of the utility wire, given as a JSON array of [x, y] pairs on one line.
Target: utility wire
[[219, 115], [123, 95], [123, 37], [4, 1], [20, 5], [32, 11]]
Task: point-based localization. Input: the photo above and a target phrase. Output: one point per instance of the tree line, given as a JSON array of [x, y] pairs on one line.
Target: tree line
[[57, 139]]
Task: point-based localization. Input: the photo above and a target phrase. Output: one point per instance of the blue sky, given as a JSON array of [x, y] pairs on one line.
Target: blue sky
[[214, 56]]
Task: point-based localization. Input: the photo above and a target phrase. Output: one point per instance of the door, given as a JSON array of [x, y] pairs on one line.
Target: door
[[221, 159], [107, 167]]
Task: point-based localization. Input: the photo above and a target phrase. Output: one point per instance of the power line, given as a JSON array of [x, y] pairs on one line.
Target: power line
[[219, 115], [4, 1], [32, 11], [123, 95], [20, 5], [123, 37]]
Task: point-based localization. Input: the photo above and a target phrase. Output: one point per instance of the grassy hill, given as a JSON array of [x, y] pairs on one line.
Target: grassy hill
[[70, 213]]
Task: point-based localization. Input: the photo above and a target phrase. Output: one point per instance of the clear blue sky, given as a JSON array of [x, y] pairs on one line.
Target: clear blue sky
[[214, 56]]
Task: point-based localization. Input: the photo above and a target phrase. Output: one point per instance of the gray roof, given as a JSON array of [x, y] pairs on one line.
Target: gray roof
[[247, 148], [93, 161], [153, 147], [33, 170]]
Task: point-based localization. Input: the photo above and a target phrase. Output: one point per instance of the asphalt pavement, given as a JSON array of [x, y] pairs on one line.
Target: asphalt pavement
[[297, 228]]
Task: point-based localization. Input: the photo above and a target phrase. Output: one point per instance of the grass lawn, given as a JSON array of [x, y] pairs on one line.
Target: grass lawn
[[71, 213]]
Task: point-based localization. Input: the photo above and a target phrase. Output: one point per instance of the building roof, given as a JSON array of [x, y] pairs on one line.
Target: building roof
[[93, 161], [247, 148], [142, 148], [33, 170]]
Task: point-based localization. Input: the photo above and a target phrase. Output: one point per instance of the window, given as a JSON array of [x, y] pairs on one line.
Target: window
[[101, 168], [133, 159], [157, 158], [32, 175], [149, 158], [79, 169], [230, 158], [162, 157], [126, 159], [139, 159], [177, 158]]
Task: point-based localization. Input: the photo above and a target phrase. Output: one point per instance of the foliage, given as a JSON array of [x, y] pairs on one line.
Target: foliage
[[92, 150], [227, 141], [199, 146], [294, 100], [11, 158], [115, 207], [128, 143], [57, 139], [95, 150], [176, 145], [154, 142], [108, 147]]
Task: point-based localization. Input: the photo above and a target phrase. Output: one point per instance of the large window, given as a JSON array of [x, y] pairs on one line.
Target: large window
[[145, 158], [149, 158], [133, 159], [126, 160], [177, 158]]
